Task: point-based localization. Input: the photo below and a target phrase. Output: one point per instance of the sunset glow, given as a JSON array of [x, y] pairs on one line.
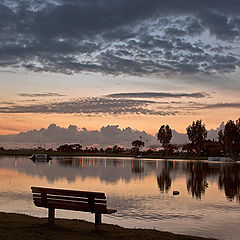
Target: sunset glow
[[134, 64]]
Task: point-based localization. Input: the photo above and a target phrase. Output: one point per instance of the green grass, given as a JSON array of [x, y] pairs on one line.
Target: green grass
[[17, 226]]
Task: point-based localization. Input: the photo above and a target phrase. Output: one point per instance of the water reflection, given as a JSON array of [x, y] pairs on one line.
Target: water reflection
[[137, 166], [163, 179], [197, 173], [140, 190], [229, 181], [197, 181]]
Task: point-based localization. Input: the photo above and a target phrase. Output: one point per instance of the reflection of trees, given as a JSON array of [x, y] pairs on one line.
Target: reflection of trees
[[229, 180], [228, 175], [137, 166], [164, 180], [199, 172], [196, 184]]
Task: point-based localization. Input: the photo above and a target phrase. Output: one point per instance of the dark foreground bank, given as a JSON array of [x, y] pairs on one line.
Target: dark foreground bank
[[18, 226]]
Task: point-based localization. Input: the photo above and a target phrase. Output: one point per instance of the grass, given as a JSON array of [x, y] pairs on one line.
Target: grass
[[17, 226]]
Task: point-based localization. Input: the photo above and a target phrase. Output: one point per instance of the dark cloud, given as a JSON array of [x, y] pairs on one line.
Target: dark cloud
[[158, 95], [222, 105], [92, 106], [107, 135], [40, 95], [7, 103], [137, 37], [121, 104]]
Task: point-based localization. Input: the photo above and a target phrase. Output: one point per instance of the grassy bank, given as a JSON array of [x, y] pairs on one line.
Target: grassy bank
[[18, 226]]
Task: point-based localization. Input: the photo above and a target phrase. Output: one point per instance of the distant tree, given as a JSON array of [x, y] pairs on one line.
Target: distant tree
[[221, 137], [117, 149], [137, 144], [211, 148], [108, 150], [229, 138], [69, 148], [197, 133], [164, 135]]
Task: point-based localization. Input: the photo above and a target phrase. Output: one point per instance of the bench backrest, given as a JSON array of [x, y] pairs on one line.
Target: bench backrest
[[94, 202]]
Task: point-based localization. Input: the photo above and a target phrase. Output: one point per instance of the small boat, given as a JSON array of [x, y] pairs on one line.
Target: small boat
[[220, 159], [40, 157], [138, 155]]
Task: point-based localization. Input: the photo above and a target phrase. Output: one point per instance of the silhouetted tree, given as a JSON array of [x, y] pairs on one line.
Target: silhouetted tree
[[69, 148], [108, 150], [211, 148], [229, 138], [197, 133], [164, 135], [117, 149], [137, 144]]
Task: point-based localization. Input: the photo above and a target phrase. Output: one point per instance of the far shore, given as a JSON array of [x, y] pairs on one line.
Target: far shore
[[18, 226], [83, 154]]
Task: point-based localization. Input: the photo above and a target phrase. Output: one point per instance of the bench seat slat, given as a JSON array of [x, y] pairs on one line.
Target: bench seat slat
[[69, 192], [98, 208], [65, 201], [76, 199]]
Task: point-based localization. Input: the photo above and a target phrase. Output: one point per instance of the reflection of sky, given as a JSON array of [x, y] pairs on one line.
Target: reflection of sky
[[131, 187]]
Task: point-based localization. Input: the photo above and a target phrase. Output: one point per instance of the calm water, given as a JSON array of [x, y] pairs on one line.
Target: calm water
[[141, 191]]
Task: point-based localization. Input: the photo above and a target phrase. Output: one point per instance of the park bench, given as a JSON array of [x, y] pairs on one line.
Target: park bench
[[94, 202]]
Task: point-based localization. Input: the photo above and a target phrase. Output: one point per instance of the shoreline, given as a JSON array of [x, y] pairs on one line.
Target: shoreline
[[19, 226], [62, 154]]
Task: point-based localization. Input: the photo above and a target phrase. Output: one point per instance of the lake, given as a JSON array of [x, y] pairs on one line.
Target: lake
[[140, 189]]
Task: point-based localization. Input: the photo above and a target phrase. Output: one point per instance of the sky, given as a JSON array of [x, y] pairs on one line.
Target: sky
[[137, 64]]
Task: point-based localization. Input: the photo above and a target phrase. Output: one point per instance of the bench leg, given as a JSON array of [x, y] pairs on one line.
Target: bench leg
[[98, 219], [51, 215]]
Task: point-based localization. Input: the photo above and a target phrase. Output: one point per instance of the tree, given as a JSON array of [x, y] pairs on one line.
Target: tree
[[229, 138], [197, 134], [70, 148], [137, 144], [164, 135]]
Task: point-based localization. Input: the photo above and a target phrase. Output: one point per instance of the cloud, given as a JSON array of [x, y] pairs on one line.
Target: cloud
[[40, 95], [92, 106], [55, 135], [138, 37], [7, 103], [222, 105], [158, 95], [109, 135]]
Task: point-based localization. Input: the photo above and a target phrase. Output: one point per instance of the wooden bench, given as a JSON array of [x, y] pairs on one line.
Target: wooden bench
[[94, 202]]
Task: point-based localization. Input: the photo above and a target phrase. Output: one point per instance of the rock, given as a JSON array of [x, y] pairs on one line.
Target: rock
[[176, 192]]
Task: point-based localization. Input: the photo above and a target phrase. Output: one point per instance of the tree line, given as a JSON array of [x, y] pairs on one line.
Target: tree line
[[228, 142]]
